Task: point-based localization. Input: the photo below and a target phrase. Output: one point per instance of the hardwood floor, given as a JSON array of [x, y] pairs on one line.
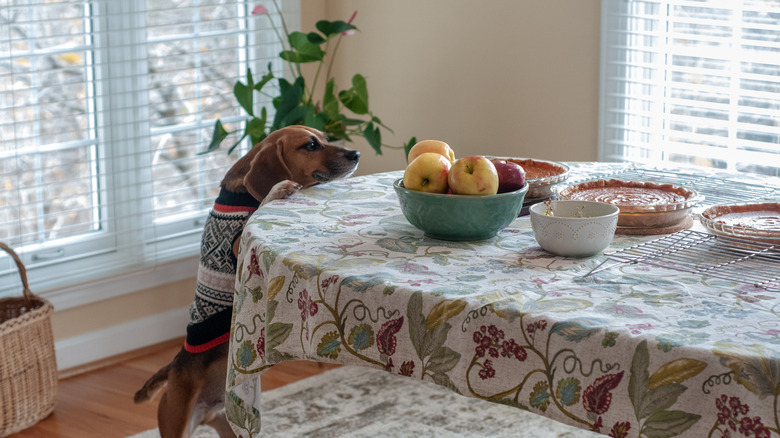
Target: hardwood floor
[[99, 402]]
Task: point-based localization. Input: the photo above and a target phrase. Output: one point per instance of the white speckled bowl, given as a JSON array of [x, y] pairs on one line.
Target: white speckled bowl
[[564, 234]]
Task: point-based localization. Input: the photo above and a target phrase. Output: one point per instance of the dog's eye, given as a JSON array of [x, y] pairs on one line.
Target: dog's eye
[[311, 146]]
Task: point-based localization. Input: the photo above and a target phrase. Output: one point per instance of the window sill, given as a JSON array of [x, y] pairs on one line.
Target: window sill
[[120, 284]]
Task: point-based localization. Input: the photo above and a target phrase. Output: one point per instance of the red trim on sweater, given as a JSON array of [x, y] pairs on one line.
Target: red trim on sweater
[[233, 208], [208, 345]]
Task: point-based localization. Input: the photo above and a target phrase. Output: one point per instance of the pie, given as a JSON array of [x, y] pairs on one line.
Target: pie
[[759, 221], [541, 175], [642, 204]]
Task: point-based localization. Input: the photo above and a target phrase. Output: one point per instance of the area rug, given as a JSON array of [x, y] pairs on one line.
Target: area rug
[[360, 402]]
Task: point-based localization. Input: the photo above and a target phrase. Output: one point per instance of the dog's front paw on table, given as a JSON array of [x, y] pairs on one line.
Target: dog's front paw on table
[[281, 190]]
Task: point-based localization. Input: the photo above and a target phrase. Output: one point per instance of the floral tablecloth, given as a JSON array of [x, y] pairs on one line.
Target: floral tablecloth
[[336, 273]]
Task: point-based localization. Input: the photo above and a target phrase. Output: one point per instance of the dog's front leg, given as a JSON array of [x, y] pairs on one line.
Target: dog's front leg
[[281, 190]]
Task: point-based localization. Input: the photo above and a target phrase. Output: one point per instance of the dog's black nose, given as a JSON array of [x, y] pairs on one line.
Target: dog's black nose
[[352, 155]]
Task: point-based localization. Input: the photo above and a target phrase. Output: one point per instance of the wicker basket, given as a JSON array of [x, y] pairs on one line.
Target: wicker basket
[[28, 368]]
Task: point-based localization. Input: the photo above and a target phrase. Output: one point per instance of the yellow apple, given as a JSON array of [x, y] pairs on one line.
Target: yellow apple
[[473, 175], [436, 146], [428, 173]]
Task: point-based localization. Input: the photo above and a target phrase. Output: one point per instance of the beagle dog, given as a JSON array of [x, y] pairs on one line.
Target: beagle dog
[[194, 382]]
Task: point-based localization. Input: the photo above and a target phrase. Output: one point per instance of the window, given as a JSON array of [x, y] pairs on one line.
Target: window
[[104, 109], [694, 82]]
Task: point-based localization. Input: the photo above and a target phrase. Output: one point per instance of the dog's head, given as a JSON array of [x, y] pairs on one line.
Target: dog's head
[[300, 154]]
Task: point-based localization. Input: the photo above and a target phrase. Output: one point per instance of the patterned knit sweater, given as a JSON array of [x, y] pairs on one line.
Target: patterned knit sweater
[[211, 311]]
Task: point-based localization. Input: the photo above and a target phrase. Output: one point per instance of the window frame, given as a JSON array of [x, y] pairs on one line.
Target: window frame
[[64, 271]]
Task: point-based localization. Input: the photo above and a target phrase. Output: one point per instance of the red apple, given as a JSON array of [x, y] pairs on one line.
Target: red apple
[[473, 175], [428, 173], [511, 176]]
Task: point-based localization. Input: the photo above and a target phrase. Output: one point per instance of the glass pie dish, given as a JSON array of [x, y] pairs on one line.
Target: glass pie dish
[[642, 204], [754, 221], [541, 175]]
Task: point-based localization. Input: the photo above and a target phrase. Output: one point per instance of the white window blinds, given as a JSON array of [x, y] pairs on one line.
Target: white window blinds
[[694, 82], [104, 109]]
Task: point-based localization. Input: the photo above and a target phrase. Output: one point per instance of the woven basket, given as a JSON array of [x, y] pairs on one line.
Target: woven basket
[[28, 367]]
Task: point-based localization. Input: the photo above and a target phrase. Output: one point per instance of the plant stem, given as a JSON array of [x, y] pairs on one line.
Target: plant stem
[[293, 68], [333, 57], [317, 75]]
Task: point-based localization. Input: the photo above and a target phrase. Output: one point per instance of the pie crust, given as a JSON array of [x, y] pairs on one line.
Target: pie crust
[[642, 204], [756, 221]]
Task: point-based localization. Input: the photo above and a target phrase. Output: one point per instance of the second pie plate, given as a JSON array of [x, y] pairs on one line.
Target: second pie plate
[[642, 204]]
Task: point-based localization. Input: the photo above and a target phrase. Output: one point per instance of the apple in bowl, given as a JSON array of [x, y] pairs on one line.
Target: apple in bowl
[[425, 146], [428, 173], [511, 176], [473, 175]]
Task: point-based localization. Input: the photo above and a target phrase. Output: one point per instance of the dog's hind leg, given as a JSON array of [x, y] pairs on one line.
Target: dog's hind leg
[[221, 425], [177, 405]]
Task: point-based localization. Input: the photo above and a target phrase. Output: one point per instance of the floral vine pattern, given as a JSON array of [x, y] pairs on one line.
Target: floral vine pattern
[[337, 274]]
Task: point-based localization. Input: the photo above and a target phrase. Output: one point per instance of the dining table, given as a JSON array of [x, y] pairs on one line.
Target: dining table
[[627, 346]]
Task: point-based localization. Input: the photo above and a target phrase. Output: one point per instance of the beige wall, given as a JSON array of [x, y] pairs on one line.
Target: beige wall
[[501, 77]]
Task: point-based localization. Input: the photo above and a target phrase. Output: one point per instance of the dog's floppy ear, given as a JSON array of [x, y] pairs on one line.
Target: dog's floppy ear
[[266, 169]]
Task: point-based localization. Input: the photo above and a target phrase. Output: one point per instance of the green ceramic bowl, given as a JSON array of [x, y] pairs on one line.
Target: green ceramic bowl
[[459, 217]]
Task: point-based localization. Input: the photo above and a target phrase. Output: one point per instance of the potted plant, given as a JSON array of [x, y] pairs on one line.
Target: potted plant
[[340, 113]]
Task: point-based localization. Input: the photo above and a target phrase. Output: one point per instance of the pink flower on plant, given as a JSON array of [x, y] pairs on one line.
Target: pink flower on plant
[[259, 10], [351, 31]]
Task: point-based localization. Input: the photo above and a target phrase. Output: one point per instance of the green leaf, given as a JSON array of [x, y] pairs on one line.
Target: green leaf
[[275, 356], [754, 368], [664, 424], [329, 346], [659, 399], [290, 101], [295, 117], [352, 122], [315, 38], [637, 383], [314, 119], [275, 286], [303, 49], [443, 311], [443, 360], [540, 397], [330, 105], [416, 322], [277, 333], [330, 28], [255, 127], [267, 78], [373, 137], [356, 98], [220, 133], [361, 337], [408, 147], [259, 133], [397, 245], [363, 283], [676, 371], [577, 330], [445, 381], [568, 391], [244, 95], [236, 412], [434, 339]]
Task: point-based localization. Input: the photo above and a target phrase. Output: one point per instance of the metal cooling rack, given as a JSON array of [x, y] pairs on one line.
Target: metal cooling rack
[[730, 258], [715, 190]]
